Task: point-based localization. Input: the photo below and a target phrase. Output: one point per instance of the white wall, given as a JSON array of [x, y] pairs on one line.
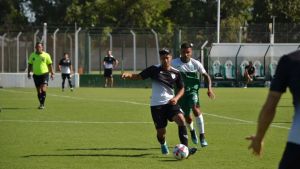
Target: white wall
[[21, 80]]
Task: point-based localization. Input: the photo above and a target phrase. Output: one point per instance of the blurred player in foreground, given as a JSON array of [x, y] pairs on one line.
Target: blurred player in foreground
[[287, 75]]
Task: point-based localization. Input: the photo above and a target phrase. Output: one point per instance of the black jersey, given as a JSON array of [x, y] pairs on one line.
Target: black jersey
[[288, 75], [65, 65], [163, 83], [250, 69], [109, 61]]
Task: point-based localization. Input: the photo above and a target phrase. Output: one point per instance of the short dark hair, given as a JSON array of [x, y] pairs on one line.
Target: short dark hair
[[164, 51], [37, 43], [186, 45]]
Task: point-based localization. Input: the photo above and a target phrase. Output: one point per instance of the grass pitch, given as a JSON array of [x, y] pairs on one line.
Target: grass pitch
[[112, 129]]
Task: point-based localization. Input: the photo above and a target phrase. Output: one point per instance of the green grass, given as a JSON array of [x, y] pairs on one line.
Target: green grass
[[112, 129]]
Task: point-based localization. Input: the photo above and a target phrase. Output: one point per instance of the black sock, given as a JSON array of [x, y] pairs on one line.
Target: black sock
[[39, 95], [161, 141], [43, 97], [183, 137], [70, 84]]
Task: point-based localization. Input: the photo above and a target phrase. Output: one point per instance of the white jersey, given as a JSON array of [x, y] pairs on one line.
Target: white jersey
[[163, 83], [192, 66]]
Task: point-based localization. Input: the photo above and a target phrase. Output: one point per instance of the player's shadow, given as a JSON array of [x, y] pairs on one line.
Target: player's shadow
[[137, 155]]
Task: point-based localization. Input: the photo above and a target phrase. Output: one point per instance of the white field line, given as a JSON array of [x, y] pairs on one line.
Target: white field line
[[122, 101]]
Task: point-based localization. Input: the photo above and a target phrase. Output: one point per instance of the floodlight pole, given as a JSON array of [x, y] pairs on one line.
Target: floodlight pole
[[134, 50], [45, 36], [34, 38], [18, 50], [110, 41], [202, 52], [157, 45], [76, 57], [218, 22], [54, 49], [2, 52]]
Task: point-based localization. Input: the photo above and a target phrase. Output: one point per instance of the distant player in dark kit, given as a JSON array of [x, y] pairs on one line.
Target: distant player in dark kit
[[41, 64], [109, 63], [249, 73], [66, 69], [287, 76], [164, 105]]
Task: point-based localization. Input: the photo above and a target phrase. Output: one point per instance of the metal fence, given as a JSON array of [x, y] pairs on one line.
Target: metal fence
[[134, 48]]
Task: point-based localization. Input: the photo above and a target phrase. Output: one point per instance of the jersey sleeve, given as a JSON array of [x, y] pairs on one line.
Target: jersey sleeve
[[201, 68], [30, 60], [148, 72], [179, 81], [280, 81], [49, 60]]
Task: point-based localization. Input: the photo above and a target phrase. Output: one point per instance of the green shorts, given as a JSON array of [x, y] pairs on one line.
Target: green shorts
[[187, 101]]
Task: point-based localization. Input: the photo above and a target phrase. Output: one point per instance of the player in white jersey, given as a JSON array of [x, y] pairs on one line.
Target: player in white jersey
[[66, 69], [190, 70], [164, 105]]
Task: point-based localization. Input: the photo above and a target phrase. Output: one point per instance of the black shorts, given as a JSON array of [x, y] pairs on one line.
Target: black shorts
[[41, 79], [290, 157], [65, 75], [107, 72], [162, 113]]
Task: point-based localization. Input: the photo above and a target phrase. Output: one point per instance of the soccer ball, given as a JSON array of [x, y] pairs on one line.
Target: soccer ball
[[180, 151]]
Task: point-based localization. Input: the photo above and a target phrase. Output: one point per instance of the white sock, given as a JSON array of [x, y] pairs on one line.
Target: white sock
[[200, 123], [191, 126]]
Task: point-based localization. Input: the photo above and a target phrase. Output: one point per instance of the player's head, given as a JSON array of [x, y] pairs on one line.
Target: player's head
[[109, 53], [165, 57], [186, 51], [250, 63], [39, 47], [66, 55]]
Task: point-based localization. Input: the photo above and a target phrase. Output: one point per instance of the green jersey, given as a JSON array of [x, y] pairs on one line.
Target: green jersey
[[40, 62]]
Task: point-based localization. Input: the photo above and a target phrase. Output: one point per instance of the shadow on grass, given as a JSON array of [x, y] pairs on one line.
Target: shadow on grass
[[96, 155], [87, 155]]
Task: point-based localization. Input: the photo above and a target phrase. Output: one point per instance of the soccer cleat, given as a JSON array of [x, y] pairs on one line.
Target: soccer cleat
[[164, 149], [41, 106], [192, 151], [72, 89], [203, 142], [194, 137]]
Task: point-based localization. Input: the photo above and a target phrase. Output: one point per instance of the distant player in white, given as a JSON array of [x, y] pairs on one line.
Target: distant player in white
[[109, 63], [164, 106], [66, 69]]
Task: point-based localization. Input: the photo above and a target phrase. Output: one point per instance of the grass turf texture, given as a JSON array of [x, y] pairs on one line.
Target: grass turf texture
[[112, 128]]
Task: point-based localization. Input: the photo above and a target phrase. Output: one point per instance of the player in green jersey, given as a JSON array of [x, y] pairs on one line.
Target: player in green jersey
[[190, 70]]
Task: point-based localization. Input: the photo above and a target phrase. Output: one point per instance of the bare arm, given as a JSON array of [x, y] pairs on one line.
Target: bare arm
[[127, 75], [265, 118], [51, 71], [175, 99], [29, 70], [210, 92]]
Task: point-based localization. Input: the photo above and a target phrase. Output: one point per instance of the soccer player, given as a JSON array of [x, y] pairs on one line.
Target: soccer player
[[109, 63], [287, 75], [66, 68], [164, 105], [190, 70], [41, 64], [249, 73]]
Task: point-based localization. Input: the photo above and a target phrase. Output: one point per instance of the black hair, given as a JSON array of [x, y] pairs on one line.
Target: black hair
[[186, 45]]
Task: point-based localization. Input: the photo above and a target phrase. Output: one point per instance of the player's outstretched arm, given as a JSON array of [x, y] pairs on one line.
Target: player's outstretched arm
[[265, 118], [131, 76]]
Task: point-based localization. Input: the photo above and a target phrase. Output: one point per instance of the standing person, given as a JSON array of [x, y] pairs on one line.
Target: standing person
[[287, 75], [190, 70], [164, 105], [249, 73], [109, 63], [41, 64], [66, 69]]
